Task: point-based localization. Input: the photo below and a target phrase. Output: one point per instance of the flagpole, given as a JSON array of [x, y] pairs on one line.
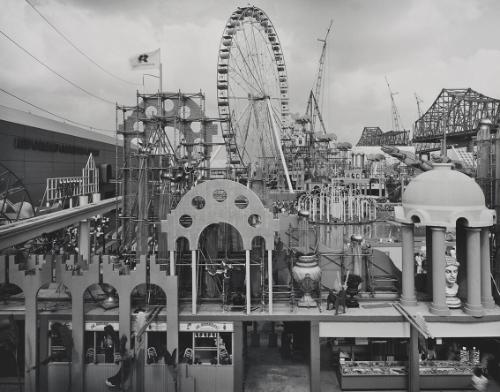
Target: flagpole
[[161, 79], [161, 73]]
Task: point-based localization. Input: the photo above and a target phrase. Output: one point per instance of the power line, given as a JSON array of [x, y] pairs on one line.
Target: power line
[[55, 72], [55, 115], [78, 49]]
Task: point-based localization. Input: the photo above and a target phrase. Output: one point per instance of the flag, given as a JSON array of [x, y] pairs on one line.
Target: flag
[[146, 60]]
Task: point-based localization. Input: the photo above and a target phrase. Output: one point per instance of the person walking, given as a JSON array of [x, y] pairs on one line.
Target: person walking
[[126, 358]]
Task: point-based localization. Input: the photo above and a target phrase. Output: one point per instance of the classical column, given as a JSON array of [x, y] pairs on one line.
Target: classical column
[[172, 263], [270, 279], [486, 297], [194, 282], [438, 305], [247, 281], [473, 305], [408, 297]]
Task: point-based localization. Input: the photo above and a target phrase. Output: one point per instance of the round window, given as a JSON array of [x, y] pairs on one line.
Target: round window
[[185, 221], [220, 195], [198, 202], [241, 202], [254, 220]]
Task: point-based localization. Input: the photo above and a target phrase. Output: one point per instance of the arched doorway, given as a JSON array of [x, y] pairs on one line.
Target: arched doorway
[[101, 336], [55, 336], [221, 266]]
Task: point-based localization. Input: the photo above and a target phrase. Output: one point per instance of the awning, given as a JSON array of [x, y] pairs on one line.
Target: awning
[[398, 329], [459, 330]]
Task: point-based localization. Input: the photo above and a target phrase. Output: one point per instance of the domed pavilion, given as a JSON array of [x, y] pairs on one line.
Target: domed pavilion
[[445, 198]]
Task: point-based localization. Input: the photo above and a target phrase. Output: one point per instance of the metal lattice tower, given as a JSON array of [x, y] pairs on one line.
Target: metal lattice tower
[[396, 118], [312, 105]]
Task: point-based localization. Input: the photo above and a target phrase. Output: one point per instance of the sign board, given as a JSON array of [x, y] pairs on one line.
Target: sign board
[[208, 326], [99, 326]]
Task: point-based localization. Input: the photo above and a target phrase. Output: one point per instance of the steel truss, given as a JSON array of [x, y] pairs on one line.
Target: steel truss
[[455, 114], [373, 136]]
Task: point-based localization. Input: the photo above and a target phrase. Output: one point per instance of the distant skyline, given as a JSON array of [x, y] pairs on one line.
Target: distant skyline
[[421, 46]]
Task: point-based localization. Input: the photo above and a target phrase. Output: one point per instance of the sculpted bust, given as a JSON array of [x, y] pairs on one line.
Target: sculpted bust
[[451, 274]]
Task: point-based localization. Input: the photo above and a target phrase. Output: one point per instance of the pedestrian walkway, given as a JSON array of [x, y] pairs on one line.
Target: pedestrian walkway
[[267, 371]]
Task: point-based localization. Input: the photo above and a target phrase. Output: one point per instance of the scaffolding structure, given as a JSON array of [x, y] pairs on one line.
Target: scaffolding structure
[[167, 147]]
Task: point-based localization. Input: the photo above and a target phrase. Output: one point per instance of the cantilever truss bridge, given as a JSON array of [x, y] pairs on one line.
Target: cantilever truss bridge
[[455, 113], [373, 136]]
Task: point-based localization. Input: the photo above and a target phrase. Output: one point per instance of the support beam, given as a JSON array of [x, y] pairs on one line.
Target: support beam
[[172, 263], [277, 140], [171, 290], [194, 282], [247, 281], [238, 360], [270, 279], [314, 365], [84, 240], [413, 361]]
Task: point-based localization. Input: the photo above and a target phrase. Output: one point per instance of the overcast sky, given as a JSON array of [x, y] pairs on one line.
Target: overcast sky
[[422, 46]]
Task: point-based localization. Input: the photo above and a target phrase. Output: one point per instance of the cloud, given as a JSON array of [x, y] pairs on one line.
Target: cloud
[[422, 46]]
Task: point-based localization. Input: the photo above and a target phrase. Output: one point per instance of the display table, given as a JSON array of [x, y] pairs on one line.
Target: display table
[[445, 375], [374, 375]]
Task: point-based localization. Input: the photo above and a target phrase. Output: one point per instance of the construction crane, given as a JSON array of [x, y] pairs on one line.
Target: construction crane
[[312, 104], [419, 101], [396, 119]]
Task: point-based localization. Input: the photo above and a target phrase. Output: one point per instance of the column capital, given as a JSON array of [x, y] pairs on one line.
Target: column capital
[[473, 229], [437, 228]]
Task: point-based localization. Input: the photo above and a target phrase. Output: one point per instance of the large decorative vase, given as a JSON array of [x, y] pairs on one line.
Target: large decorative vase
[[307, 273]]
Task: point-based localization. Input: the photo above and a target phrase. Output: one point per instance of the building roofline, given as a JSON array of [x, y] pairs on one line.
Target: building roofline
[[29, 119]]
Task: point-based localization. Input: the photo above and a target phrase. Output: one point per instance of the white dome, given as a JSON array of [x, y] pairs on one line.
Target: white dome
[[441, 196]]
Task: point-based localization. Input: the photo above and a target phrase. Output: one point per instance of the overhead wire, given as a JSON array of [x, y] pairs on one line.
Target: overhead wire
[[55, 115], [77, 48], [57, 73]]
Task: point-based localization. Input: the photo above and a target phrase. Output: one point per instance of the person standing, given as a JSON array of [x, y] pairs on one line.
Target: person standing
[[126, 359]]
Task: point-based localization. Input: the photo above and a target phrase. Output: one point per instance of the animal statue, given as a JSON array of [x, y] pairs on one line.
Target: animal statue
[[340, 300], [330, 300], [336, 300]]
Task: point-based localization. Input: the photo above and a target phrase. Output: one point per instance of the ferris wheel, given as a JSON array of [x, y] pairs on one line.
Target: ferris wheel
[[252, 89]]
